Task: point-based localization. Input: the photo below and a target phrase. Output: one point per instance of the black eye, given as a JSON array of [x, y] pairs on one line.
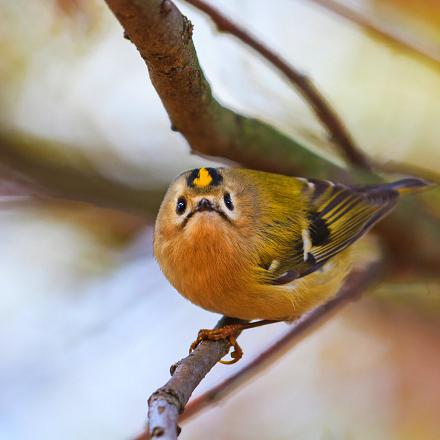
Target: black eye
[[228, 201], [181, 205]]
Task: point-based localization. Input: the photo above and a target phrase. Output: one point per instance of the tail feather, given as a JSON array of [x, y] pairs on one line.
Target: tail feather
[[409, 185]]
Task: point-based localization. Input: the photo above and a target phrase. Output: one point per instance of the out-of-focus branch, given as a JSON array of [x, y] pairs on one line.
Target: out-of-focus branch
[[15, 187], [37, 168], [169, 401], [338, 133], [163, 37], [392, 35]]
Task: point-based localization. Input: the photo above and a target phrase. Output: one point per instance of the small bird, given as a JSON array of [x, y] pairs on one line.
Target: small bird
[[255, 245]]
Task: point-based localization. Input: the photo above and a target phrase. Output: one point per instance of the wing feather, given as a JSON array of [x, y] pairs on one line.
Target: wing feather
[[348, 214], [338, 216]]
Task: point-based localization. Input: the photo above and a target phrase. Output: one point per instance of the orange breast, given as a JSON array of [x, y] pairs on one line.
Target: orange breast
[[210, 265], [206, 262]]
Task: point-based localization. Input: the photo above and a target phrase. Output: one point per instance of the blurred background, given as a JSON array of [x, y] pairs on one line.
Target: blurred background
[[88, 324]]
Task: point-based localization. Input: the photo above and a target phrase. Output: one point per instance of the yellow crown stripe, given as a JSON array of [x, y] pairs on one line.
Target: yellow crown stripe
[[203, 178]]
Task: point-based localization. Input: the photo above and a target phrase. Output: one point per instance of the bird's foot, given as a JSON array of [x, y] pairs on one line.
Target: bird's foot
[[229, 333]]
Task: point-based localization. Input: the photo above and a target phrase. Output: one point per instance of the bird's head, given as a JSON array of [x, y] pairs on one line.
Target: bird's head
[[207, 201]]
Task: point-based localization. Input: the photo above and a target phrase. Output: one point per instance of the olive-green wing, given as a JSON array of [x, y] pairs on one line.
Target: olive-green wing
[[338, 215]]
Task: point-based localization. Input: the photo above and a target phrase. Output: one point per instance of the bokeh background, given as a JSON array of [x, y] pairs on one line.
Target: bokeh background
[[88, 324]]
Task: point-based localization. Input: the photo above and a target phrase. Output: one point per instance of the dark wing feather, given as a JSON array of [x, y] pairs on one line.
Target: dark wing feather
[[338, 216], [348, 213]]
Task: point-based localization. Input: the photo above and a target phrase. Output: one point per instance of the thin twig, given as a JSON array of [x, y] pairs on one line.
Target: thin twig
[[165, 404], [393, 35], [170, 400], [321, 107]]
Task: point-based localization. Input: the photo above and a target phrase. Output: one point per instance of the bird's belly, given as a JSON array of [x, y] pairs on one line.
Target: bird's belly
[[272, 302]]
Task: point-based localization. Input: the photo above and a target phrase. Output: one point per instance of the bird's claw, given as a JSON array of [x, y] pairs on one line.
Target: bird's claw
[[229, 333]]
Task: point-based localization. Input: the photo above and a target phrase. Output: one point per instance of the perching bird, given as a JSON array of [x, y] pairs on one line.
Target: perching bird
[[255, 245]]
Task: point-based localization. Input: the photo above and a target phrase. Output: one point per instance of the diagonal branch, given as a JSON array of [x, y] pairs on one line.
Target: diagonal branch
[[165, 404], [393, 35], [338, 133], [40, 169], [163, 37], [168, 402]]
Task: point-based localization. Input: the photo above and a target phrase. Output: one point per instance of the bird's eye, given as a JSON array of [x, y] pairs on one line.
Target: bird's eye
[[228, 201], [181, 205]]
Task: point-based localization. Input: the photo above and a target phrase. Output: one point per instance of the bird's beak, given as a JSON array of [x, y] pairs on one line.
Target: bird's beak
[[205, 205]]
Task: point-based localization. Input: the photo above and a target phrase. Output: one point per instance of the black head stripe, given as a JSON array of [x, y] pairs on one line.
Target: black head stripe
[[217, 178], [204, 177], [192, 177]]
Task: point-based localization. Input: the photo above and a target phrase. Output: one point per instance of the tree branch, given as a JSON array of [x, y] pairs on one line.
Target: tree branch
[[392, 35], [163, 37], [324, 112], [169, 401], [40, 169]]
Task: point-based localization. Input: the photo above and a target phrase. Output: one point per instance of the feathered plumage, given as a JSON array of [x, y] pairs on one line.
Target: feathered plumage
[[251, 245]]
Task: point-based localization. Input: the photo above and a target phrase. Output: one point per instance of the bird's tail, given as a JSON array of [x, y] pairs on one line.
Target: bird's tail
[[409, 185], [404, 186]]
